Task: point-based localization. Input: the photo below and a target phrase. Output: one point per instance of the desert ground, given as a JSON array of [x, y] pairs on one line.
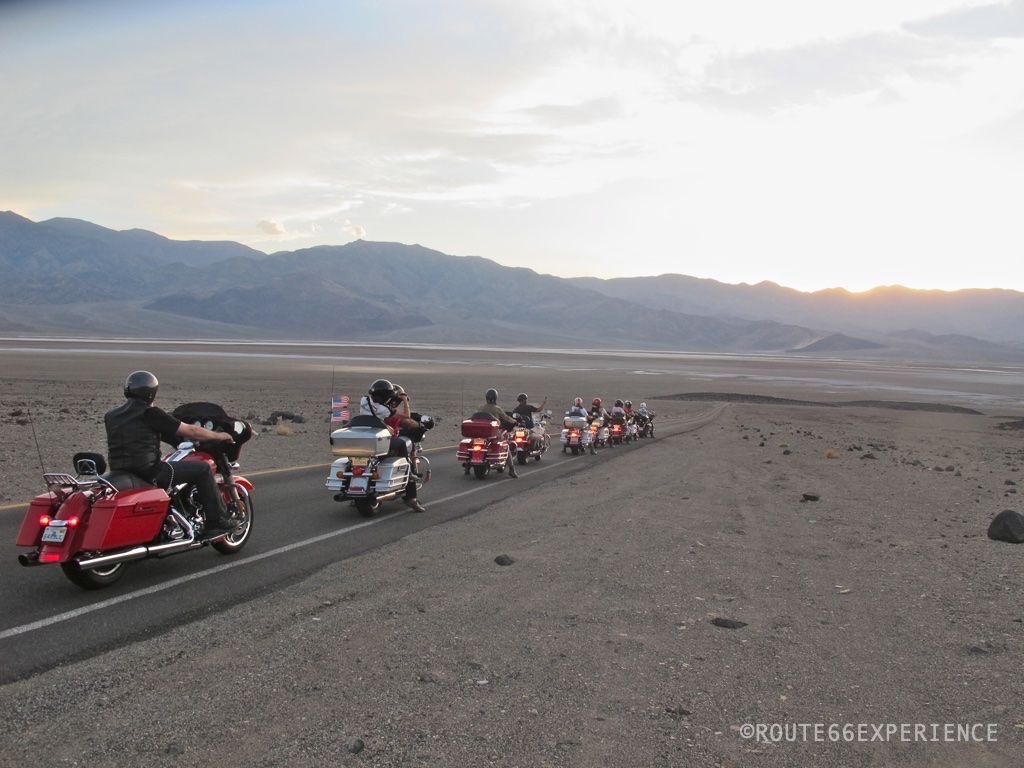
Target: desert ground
[[817, 573]]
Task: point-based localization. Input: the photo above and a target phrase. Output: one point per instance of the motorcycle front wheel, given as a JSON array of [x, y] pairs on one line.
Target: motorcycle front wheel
[[93, 578], [235, 540]]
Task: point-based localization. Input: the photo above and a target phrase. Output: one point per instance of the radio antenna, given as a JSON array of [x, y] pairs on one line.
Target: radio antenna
[[39, 451], [330, 413]]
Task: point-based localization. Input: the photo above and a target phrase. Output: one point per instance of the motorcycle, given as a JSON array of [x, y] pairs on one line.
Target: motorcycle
[[576, 434], [598, 433], [631, 430], [92, 524], [484, 445], [365, 473], [531, 442], [618, 431], [645, 424]]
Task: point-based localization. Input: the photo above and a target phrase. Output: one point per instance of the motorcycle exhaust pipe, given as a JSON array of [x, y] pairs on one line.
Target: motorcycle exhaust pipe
[[137, 553], [29, 559]]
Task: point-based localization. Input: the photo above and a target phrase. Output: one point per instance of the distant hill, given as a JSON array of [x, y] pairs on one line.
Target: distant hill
[[74, 277], [995, 315]]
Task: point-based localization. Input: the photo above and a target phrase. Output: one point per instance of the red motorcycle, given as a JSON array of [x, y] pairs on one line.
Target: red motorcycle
[[618, 431], [94, 523], [484, 445]]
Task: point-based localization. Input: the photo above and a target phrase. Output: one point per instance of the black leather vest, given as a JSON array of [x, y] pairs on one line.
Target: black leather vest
[[131, 445]]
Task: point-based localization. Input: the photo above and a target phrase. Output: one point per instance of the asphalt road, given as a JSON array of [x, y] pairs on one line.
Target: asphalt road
[[45, 620]]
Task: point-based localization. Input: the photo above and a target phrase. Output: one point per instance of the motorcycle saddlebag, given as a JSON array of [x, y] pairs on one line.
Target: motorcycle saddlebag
[[44, 504], [393, 476], [481, 428], [129, 518]]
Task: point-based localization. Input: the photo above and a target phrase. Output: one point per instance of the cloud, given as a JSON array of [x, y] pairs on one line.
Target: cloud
[[822, 71], [998, 20], [272, 227], [594, 110], [353, 229]]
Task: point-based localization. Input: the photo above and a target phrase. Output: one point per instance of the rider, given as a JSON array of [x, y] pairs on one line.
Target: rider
[[596, 416], [627, 408], [577, 408], [618, 414], [134, 432], [526, 410], [415, 428], [645, 420], [492, 408], [392, 408]]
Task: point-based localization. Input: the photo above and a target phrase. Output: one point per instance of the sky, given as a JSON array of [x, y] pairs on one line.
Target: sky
[[813, 144]]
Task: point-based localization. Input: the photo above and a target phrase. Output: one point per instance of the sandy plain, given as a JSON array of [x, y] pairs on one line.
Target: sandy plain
[[880, 605]]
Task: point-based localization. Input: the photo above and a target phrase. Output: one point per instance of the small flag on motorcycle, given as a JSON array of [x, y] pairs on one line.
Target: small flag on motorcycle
[[339, 408]]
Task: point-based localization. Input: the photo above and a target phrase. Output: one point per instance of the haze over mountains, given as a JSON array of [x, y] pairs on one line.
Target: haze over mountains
[[70, 277]]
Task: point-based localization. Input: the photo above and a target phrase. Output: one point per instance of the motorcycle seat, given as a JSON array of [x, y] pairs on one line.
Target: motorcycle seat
[[125, 481]]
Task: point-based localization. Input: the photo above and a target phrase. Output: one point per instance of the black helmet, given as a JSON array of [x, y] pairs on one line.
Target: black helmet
[[141, 385], [629, 404], [522, 398], [491, 395], [382, 391], [618, 403]]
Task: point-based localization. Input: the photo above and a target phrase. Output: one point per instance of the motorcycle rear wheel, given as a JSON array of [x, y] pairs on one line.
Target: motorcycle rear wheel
[[521, 457], [366, 507], [480, 471], [575, 450], [235, 540], [93, 578]]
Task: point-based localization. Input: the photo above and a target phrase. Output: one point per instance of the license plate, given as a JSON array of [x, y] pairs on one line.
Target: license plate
[[54, 534], [358, 484]]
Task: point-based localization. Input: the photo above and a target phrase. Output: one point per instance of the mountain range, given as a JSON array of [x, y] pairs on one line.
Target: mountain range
[[71, 277]]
